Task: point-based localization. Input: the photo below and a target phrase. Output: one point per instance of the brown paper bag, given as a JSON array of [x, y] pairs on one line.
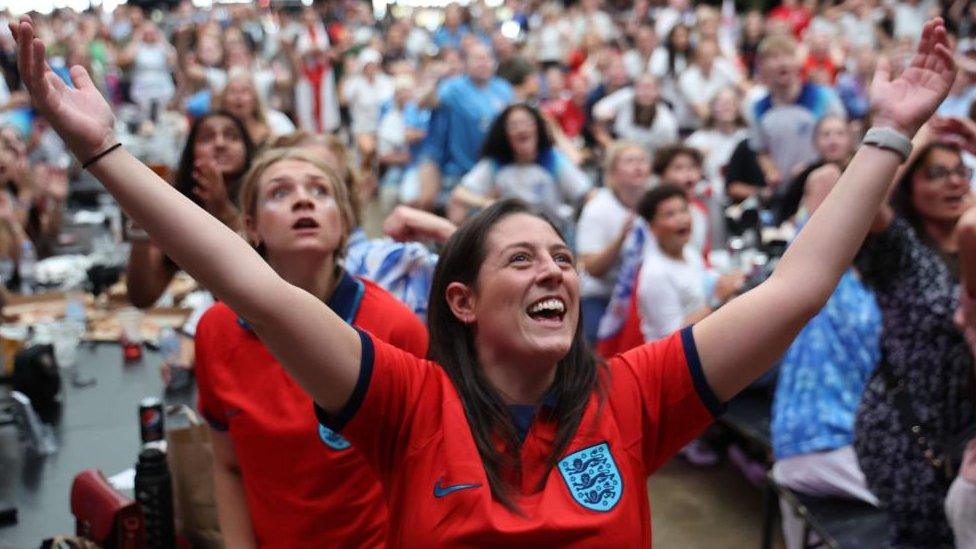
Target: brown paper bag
[[190, 456]]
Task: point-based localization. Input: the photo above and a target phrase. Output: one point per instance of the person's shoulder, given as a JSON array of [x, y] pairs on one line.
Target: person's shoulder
[[654, 264], [380, 304], [664, 353], [699, 138], [666, 114], [219, 314], [501, 85], [762, 105], [813, 96], [452, 85], [376, 295], [601, 201]]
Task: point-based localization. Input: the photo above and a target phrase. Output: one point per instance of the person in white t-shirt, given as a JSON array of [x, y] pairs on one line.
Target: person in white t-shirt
[[240, 97], [681, 166], [590, 19], [638, 59], [520, 160], [701, 82], [365, 92], [152, 59], [674, 289], [637, 114], [724, 129], [603, 226]]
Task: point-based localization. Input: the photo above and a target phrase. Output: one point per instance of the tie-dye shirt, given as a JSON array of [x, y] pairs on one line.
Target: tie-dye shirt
[[824, 372], [405, 269]]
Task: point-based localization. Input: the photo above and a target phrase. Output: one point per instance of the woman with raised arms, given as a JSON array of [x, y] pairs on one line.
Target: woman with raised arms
[[519, 436]]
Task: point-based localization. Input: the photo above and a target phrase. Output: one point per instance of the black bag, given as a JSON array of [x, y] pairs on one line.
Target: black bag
[[36, 375]]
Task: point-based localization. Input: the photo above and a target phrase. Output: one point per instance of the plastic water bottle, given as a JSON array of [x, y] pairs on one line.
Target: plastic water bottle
[[154, 493], [74, 312], [26, 266]]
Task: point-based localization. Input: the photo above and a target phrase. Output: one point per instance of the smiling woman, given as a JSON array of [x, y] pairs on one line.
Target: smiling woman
[[549, 447], [911, 264]]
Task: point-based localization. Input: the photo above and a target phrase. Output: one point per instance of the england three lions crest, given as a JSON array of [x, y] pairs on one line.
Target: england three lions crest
[[333, 439], [592, 477]]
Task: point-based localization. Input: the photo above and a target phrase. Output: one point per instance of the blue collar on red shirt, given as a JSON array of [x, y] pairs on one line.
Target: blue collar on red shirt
[[345, 300], [524, 414]]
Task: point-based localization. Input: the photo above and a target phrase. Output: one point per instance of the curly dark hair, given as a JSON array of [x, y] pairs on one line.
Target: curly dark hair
[[497, 146]]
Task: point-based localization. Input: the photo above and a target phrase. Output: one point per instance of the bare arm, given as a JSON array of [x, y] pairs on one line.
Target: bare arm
[[146, 273], [466, 199], [809, 271], [316, 347], [232, 512], [885, 213], [769, 169], [599, 263], [966, 235], [430, 186], [407, 224]]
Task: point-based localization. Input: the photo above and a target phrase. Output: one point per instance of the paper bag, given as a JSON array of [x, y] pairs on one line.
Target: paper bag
[[190, 456]]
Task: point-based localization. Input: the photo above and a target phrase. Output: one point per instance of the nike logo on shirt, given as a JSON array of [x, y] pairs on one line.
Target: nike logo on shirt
[[441, 491]]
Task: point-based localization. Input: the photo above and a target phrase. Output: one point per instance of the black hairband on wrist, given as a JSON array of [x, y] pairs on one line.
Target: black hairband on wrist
[[99, 156]]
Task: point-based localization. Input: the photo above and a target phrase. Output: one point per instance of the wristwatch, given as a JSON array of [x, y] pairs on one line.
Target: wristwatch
[[890, 139]]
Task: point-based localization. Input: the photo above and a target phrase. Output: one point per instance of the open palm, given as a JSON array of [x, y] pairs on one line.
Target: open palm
[[80, 115], [906, 102]]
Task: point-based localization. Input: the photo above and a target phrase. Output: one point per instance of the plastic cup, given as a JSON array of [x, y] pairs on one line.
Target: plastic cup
[[65, 339], [130, 319], [12, 340]]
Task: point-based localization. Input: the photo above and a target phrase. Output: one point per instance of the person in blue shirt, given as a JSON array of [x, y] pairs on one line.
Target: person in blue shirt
[[450, 34], [464, 107], [821, 379]]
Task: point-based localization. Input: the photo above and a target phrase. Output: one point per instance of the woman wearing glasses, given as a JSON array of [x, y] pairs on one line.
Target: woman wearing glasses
[[920, 396]]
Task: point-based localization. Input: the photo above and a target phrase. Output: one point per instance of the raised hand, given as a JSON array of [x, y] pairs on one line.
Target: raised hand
[[956, 130], [906, 102], [212, 190], [406, 224], [81, 116], [210, 185]]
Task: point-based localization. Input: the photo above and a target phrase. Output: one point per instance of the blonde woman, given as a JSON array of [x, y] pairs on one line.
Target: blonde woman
[[240, 97], [604, 224]]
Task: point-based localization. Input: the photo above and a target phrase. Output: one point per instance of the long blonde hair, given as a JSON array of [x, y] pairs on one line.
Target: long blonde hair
[[260, 112]]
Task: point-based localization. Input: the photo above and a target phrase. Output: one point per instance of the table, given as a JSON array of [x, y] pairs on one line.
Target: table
[[99, 428]]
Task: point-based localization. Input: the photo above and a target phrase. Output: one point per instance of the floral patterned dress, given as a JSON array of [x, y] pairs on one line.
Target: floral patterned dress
[[917, 293]]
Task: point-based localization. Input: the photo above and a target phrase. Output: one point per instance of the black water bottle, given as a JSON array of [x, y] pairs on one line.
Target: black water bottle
[[155, 494]]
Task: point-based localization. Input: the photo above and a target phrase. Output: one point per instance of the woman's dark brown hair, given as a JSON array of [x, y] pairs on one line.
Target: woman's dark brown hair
[[452, 346], [901, 198], [185, 182]]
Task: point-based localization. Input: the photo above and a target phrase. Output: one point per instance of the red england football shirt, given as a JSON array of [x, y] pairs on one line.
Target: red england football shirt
[[305, 486], [410, 425]]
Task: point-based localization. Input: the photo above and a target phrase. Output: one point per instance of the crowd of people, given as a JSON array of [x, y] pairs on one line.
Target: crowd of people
[[422, 223]]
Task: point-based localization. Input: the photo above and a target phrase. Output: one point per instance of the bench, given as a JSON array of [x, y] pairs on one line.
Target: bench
[[828, 522], [834, 522]]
